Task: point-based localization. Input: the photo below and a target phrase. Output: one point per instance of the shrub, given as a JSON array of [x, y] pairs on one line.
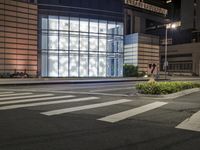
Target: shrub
[[156, 88], [130, 71], [5, 75]]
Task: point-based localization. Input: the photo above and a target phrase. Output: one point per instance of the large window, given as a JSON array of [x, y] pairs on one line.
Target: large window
[[81, 47]]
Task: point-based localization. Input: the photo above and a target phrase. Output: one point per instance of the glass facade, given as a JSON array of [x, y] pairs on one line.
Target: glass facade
[[81, 47]]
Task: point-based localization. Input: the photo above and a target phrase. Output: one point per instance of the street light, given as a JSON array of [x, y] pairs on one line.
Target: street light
[[168, 26]]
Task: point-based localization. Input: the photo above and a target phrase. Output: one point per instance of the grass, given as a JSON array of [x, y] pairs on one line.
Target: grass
[[161, 88]]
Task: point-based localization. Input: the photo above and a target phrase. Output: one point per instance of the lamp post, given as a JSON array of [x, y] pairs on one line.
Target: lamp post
[[168, 26]]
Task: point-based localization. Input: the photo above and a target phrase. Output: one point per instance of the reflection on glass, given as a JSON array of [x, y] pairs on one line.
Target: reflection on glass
[[64, 23], [120, 45], [63, 41], [110, 44], [120, 28], [111, 28], [63, 65], [93, 43], [53, 42], [53, 22], [93, 66], [94, 26], [84, 25], [44, 64], [53, 64], [102, 65], [102, 26], [74, 42], [83, 43], [84, 65], [102, 43], [44, 23], [74, 65], [44, 41], [74, 24]]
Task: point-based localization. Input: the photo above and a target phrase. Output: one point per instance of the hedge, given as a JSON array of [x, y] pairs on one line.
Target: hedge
[[132, 71], [161, 88]]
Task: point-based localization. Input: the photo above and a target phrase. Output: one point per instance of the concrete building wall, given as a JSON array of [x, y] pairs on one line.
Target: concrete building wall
[[185, 53], [18, 37], [190, 14], [198, 14], [187, 14], [135, 21]]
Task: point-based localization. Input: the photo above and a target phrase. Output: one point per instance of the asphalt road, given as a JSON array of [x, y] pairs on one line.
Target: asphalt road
[[103, 116]]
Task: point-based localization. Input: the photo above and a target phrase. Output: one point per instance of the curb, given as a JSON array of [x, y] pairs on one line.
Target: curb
[[31, 82], [170, 96]]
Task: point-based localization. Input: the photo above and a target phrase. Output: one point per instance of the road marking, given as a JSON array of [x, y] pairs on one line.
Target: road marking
[[192, 123], [47, 103], [72, 109], [112, 89], [22, 97], [6, 93], [132, 112], [17, 94], [90, 93], [35, 99]]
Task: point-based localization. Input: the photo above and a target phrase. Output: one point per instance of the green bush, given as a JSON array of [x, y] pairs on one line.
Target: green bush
[[157, 88], [130, 71]]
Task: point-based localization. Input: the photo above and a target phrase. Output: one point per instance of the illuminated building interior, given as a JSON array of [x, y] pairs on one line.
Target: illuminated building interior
[[81, 47]]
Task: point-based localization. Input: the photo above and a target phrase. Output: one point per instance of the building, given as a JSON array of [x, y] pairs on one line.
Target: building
[[184, 48], [142, 45], [18, 37], [58, 38], [142, 50], [87, 38], [140, 16]]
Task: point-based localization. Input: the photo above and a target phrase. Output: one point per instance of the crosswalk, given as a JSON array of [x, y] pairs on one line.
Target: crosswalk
[[16, 100], [132, 112]]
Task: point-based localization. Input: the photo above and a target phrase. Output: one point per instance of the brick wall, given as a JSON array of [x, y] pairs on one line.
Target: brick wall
[[18, 37]]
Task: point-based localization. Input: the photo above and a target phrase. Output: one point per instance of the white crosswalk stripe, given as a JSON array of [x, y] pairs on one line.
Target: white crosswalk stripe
[[1, 93], [12, 100], [192, 123], [22, 97], [132, 112], [73, 109], [35, 99], [16, 94], [48, 103]]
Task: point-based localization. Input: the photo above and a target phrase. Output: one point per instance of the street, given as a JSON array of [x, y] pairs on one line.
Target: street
[[95, 116]]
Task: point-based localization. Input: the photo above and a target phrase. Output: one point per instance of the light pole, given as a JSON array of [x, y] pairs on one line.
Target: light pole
[[168, 26]]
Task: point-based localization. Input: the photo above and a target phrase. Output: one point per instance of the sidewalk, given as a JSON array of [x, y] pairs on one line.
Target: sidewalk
[[34, 81]]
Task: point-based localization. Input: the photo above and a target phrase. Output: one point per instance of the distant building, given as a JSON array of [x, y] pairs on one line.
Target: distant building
[[141, 47], [184, 49], [142, 50]]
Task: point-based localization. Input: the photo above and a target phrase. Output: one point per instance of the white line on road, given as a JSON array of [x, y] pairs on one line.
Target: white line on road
[[17, 94], [6, 93], [47, 103], [129, 113], [85, 107], [192, 123], [35, 99], [22, 97], [90, 93], [112, 89]]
